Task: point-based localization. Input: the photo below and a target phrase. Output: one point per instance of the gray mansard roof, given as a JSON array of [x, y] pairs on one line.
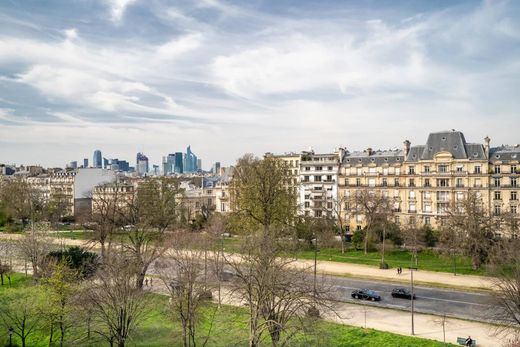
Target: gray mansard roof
[[504, 153], [377, 157], [447, 141]]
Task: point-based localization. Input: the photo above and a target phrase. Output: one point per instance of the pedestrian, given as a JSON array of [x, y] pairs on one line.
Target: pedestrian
[[151, 279], [146, 282], [469, 342], [398, 270]]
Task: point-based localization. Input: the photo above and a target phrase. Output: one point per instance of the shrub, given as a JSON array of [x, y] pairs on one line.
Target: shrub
[[78, 259]]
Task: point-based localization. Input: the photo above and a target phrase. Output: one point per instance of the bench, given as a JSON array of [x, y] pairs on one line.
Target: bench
[[462, 341]]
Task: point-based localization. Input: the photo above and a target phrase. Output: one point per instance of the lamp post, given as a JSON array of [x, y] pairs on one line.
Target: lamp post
[[412, 307], [11, 330]]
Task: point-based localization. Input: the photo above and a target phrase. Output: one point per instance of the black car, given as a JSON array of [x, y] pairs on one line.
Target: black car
[[366, 294], [402, 293]]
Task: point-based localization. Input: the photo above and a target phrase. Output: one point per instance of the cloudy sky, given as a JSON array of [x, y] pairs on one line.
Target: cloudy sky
[[230, 77]]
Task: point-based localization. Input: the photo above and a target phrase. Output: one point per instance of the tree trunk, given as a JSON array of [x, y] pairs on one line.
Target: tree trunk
[[62, 331], [2, 278], [51, 334]]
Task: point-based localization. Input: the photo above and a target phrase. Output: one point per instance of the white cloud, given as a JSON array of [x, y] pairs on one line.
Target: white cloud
[[118, 7]]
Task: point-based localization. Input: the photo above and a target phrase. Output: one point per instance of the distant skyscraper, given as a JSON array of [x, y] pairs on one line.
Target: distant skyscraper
[[97, 161], [199, 164], [216, 168], [85, 163], [72, 165], [178, 166], [190, 161], [141, 164], [124, 165], [169, 164], [106, 163]]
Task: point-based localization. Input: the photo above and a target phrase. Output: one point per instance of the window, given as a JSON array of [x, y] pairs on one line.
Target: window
[[477, 183], [305, 178], [443, 168], [460, 182], [358, 227], [427, 221], [329, 178], [443, 196], [347, 229], [412, 208], [513, 210], [426, 169], [372, 170], [443, 182], [396, 193], [513, 169], [307, 204], [411, 170], [460, 196], [497, 181], [358, 182], [222, 207], [359, 171], [329, 205], [497, 169], [317, 178], [307, 196], [427, 195], [385, 182], [497, 210], [346, 182], [497, 196], [317, 213], [397, 171], [427, 208], [396, 182], [307, 168], [397, 220], [371, 182], [411, 194], [513, 182], [385, 171], [513, 196], [411, 182], [427, 182], [477, 169], [317, 188], [385, 193], [459, 168], [329, 168], [411, 220], [318, 168]]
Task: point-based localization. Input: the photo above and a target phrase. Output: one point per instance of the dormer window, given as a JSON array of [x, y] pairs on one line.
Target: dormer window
[[444, 138]]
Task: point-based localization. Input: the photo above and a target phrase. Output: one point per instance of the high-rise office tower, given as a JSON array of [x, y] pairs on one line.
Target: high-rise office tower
[[216, 168], [178, 166], [97, 160], [190, 161], [141, 166], [199, 165], [85, 163]]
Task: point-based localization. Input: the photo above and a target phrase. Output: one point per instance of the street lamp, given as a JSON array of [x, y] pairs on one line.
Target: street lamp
[[11, 330], [412, 307]]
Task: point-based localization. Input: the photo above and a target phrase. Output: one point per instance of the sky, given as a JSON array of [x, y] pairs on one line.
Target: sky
[[234, 77]]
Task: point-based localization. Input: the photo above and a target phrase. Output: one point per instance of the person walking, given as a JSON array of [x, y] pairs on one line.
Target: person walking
[[146, 282], [469, 342]]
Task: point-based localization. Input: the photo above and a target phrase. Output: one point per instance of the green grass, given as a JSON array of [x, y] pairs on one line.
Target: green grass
[[427, 260], [229, 328]]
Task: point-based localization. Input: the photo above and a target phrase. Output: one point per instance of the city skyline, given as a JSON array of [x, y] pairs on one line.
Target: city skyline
[[231, 78]]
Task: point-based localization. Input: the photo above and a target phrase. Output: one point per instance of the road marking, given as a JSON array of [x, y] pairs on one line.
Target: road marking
[[453, 301]]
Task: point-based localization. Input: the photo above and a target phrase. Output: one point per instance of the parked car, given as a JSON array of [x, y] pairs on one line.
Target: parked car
[[366, 294], [402, 293]]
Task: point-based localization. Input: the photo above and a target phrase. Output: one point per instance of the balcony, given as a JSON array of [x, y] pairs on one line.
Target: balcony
[[412, 211]]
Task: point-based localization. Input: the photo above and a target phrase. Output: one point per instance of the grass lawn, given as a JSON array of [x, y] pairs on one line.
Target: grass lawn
[[229, 328], [427, 260]]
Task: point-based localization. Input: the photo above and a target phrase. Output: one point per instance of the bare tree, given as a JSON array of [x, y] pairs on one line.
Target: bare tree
[[34, 247], [21, 201], [117, 304], [216, 231], [413, 237], [374, 206], [184, 275], [107, 215], [278, 294], [504, 265], [150, 213], [473, 227]]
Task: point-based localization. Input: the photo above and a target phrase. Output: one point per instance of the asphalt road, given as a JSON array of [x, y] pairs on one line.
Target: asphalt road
[[474, 306]]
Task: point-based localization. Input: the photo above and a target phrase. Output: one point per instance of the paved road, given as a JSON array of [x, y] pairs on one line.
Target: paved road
[[429, 300]]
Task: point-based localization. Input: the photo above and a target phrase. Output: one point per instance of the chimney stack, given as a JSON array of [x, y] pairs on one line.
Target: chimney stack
[[487, 141], [406, 147]]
